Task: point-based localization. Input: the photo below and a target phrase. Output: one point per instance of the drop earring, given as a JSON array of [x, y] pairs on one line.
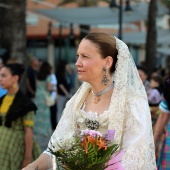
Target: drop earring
[[105, 79], [14, 85]]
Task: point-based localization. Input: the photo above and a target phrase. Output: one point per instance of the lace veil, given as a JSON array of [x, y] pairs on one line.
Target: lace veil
[[129, 114]]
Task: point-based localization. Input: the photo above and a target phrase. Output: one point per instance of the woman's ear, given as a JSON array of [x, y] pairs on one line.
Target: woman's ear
[[109, 62], [16, 78]]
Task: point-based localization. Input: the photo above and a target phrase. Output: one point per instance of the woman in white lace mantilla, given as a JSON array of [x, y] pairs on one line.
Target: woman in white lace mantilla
[[111, 97]]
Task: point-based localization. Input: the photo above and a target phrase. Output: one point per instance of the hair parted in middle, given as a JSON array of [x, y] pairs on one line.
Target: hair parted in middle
[[106, 44]]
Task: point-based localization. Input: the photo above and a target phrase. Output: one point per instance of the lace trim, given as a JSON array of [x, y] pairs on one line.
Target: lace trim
[[91, 114]]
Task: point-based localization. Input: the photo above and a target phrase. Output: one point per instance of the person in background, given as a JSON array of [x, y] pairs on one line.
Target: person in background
[[42, 127], [53, 109], [155, 91], [72, 74], [17, 145], [155, 95], [164, 120], [112, 97], [2, 91], [143, 73], [31, 74], [63, 87]]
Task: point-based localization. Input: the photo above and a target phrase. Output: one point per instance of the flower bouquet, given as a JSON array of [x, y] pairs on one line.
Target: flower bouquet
[[87, 150]]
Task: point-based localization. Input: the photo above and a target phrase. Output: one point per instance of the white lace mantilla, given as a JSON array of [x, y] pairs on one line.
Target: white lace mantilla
[[129, 114]]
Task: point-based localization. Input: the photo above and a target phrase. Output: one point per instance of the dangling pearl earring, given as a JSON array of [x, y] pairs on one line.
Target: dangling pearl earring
[[105, 79]]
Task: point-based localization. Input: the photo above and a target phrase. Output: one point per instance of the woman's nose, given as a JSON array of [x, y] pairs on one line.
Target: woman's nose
[[78, 62]]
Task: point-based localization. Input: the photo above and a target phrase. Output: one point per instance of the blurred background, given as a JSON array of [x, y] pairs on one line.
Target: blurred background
[[44, 36], [51, 29]]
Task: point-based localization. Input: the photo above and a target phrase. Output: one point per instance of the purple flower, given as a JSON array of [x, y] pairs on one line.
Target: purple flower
[[110, 134], [91, 133]]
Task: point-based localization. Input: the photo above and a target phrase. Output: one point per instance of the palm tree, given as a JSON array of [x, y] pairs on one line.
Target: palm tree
[[151, 41], [13, 28], [167, 3], [13, 31], [4, 26]]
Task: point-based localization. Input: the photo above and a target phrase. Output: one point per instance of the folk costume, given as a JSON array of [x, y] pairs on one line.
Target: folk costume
[[128, 114], [16, 112]]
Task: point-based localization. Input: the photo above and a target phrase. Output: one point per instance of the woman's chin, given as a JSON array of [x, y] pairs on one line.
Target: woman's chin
[[81, 78]]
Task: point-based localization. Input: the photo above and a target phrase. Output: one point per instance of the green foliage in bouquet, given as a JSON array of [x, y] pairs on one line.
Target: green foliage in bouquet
[[86, 151]]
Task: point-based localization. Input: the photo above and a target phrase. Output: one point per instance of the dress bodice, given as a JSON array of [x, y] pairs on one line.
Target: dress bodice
[[92, 120]]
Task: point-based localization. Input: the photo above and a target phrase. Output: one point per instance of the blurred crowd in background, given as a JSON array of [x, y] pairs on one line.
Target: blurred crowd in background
[[41, 79]]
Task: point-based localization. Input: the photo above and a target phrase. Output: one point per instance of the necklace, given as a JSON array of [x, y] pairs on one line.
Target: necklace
[[97, 95]]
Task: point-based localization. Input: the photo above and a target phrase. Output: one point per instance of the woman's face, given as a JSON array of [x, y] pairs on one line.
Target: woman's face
[[6, 78], [153, 83], [89, 63]]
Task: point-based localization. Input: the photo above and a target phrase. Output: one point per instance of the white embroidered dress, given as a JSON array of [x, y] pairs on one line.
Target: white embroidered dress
[[98, 122], [128, 114]]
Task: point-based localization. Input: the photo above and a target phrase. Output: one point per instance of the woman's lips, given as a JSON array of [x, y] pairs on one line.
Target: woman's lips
[[80, 71]]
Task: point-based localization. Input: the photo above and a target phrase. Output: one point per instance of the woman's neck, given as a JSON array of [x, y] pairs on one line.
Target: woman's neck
[[96, 88], [13, 90]]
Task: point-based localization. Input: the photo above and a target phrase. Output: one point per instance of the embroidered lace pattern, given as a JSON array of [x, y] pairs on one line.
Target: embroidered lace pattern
[[91, 120], [129, 114]]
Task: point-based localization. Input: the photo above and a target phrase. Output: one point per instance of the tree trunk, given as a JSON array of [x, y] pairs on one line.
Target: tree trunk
[[151, 42], [13, 28], [18, 30], [5, 27], [13, 31]]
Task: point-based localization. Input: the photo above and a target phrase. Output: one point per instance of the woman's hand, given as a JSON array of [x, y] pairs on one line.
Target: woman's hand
[[42, 163], [30, 167], [25, 162]]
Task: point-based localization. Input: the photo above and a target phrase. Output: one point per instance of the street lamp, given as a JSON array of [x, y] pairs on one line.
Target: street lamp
[[127, 9]]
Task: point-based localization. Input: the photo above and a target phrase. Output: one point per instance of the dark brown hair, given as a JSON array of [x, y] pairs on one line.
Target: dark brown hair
[[16, 69], [157, 79], [106, 45], [44, 71]]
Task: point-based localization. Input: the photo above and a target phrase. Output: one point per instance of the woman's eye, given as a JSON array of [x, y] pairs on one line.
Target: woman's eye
[[81, 56], [84, 56]]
